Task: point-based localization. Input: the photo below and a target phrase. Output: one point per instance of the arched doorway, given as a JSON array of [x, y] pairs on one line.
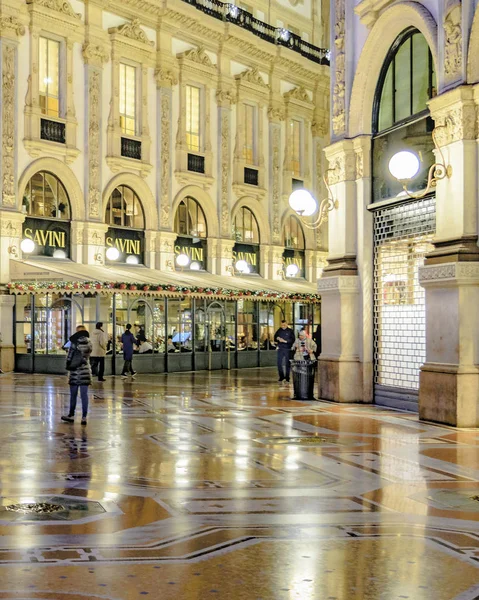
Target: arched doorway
[[403, 227], [191, 229], [46, 229]]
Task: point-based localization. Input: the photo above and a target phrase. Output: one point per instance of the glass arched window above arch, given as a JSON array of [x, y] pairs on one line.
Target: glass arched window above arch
[[190, 219], [294, 246], [46, 229], [246, 249], [191, 228], [407, 81], [45, 197], [124, 209], [125, 238], [401, 118]]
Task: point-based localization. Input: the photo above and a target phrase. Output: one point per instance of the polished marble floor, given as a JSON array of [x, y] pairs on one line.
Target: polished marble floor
[[198, 486]]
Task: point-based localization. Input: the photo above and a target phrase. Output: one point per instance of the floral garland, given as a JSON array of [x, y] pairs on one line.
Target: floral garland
[[92, 286]]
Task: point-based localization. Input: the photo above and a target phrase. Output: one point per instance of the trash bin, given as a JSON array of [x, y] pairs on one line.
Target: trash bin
[[303, 379]]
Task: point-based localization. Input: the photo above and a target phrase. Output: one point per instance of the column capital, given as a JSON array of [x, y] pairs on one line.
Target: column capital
[[342, 161], [454, 114]]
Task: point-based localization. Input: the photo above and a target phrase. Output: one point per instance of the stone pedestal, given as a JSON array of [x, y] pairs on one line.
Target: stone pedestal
[[449, 380], [340, 370]]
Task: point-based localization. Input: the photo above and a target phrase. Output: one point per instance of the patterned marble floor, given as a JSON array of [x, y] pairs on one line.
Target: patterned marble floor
[[200, 486]]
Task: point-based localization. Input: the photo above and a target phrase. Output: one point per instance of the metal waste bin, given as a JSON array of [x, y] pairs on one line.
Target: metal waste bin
[[303, 379]]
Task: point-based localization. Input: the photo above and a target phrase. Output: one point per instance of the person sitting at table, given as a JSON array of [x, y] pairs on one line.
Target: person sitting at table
[[170, 347]]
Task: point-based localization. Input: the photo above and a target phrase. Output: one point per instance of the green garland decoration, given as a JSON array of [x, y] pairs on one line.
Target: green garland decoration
[[19, 287]]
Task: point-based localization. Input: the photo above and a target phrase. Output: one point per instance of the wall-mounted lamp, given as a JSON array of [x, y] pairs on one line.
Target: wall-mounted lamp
[[132, 259], [112, 253], [242, 267], [292, 270], [405, 165], [12, 232], [27, 246], [195, 266], [305, 205]]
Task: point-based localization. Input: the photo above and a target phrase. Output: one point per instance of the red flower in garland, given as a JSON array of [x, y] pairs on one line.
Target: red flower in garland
[[98, 286], [31, 288], [186, 291], [122, 286], [51, 286], [172, 288], [159, 288], [133, 288], [76, 286], [146, 288], [87, 286], [200, 290]]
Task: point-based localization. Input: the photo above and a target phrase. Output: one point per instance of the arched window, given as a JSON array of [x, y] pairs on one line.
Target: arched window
[[400, 114], [190, 219], [245, 227], [45, 197], [407, 81], [124, 209], [293, 236]]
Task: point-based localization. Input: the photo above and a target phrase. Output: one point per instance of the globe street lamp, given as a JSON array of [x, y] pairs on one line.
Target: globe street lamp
[[132, 260], [292, 270], [405, 165], [182, 260], [305, 205], [113, 253], [242, 267], [27, 245]]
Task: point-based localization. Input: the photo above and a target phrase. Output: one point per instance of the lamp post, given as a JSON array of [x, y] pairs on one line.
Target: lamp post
[[305, 205]]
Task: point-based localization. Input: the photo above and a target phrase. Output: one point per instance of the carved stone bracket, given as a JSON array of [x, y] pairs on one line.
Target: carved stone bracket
[[450, 273], [453, 43], [94, 143], [454, 114], [95, 54], [339, 90]]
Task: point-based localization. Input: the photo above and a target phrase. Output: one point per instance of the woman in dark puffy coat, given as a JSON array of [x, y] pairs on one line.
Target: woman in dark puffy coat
[[78, 363]]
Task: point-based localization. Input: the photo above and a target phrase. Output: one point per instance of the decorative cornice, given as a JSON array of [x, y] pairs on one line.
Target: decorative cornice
[[340, 284], [61, 6], [197, 55], [11, 23], [298, 93], [467, 272], [252, 76], [132, 31], [95, 53]]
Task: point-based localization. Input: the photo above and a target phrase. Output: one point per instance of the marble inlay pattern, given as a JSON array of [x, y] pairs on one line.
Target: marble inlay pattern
[[217, 485]]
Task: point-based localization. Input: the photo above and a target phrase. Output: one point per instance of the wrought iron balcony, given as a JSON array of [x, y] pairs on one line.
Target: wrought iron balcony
[[52, 131], [196, 163], [225, 11], [251, 176], [131, 148]]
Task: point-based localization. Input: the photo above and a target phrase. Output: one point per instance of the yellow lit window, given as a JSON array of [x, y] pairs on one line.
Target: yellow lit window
[[249, 129], [296, 139], [49, 75], [128, 99], [193, 141]]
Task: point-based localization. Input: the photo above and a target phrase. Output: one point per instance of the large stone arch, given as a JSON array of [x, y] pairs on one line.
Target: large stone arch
[[386, 29], [258, 212], [308, 233], [473, 56], [65, 175], [204, 200], [141, 189]]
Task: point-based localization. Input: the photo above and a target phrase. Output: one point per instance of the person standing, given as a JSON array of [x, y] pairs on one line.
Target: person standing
[[99, 343], [284, 338], [304, 347], [78, 364], [128, 341]]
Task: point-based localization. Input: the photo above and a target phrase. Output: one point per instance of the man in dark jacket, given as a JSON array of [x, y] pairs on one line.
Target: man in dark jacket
[[284, 339], [78, 363], [128, 341]]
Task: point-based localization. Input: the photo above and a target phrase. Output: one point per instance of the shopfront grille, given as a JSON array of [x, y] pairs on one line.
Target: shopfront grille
[[402, 237]]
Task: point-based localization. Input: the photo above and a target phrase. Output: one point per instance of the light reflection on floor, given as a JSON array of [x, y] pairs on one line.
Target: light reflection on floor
[[218, 485]]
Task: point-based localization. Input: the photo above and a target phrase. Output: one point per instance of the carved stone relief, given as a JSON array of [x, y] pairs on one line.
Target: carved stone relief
[[252, 76], [298, 93], [198, 55], [225, 170], [339, 91], [62, 6], [454, 124], [12, 24], [165, 159], [94, 143], [453, 43], [276, 182], [8, 125], [95, 54], [133, 31]]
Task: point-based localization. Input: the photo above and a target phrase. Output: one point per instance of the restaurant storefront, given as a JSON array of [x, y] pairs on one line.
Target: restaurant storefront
[[188, 326]]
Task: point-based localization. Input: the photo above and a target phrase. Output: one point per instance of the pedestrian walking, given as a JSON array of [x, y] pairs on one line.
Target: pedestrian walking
[[128, 341], [99, 343], [78, 364], [284, 339]]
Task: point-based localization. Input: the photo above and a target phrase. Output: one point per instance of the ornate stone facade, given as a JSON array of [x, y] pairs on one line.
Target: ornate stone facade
[[339, 89], [8, 126]]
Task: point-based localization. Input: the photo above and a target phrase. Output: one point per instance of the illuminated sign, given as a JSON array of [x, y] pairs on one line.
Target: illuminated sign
[[249, 253], [294, 257], [48, 235], [194, 248], [129, 242]]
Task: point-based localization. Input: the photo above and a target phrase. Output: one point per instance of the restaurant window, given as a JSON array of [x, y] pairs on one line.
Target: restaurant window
[[270, 317], [126, 220], [49, 76], [47, 225], [193, 118], [296, 147], [294, 248], [249, 124], [245, 227], [128, 101], [247, 325], [179, 326], [190, 225], [246, 256]]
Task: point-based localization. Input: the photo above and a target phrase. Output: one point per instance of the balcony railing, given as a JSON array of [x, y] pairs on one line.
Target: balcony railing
[[224, 11], [250, 176], [196, 163], [131, 148], [52, 131]]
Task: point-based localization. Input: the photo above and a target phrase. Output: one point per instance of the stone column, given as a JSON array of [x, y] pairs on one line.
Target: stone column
[[276, 115], [275, 262], [7, 350], [340, 369], [449, 379], [221, 253], [93, 247], [165, 251], [10, 238]]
